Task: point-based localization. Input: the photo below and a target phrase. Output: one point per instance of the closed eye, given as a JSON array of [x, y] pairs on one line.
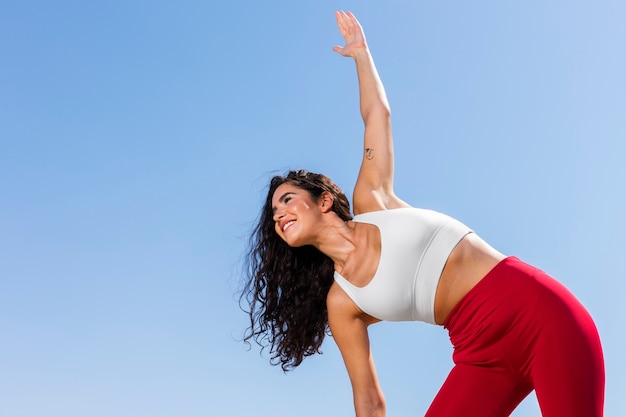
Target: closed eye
[[284, 199]]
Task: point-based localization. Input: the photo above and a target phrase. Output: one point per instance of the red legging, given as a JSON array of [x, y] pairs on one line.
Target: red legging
[[517, 330]]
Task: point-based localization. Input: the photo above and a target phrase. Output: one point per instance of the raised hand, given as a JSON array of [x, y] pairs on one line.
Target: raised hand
[[352, 32]]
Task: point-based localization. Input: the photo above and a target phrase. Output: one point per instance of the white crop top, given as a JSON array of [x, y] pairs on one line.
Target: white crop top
[[415, 245]]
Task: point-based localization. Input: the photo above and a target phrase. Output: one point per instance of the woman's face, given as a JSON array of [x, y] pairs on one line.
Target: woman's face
[[295, 214]]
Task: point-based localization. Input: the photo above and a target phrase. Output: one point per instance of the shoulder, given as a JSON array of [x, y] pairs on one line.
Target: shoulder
[[342, 310], [337, 301], [368, 200]]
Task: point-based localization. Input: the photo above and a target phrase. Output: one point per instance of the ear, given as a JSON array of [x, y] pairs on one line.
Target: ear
[[326, 202]]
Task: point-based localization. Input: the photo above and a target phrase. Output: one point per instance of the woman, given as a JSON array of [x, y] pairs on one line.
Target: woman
[[313, 267]]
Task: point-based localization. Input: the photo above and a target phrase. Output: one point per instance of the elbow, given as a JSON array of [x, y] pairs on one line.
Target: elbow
[[380, 111], [374, 408]]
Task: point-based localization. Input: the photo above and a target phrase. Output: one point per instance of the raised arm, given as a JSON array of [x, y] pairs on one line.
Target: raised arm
[[374, 187]]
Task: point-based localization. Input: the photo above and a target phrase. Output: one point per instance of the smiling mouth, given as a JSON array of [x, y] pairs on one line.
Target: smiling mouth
[[288, 225]]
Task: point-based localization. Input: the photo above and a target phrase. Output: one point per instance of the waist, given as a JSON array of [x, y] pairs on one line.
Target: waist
[[469, 262]]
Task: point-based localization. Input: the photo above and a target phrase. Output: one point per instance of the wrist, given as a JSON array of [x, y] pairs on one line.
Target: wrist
[[361, 53]]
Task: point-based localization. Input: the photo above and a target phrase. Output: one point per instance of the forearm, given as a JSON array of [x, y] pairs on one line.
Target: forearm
[[373, 99], [369, 400], [375, 407]]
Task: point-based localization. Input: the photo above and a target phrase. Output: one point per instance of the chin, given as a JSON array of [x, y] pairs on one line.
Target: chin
[[294, 243]]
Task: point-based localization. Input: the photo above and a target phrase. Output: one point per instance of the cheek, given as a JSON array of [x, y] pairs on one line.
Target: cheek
[[278, 231], [299, 207]]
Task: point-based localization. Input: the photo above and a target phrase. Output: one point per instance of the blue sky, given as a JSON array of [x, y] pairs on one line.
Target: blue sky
[[137, 137]]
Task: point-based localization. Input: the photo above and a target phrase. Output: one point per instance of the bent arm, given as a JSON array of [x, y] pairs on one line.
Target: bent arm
[[374, 186], [349, 329]]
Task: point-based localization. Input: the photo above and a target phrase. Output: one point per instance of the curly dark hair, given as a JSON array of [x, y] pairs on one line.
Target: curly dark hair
[[286, 287]]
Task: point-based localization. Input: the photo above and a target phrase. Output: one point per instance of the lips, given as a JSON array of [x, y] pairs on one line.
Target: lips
[[287, 225]]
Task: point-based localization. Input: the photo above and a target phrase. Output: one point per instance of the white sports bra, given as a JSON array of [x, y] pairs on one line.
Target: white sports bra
[[415, 245]]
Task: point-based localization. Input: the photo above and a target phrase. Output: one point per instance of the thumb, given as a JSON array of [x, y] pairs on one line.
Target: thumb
[[337, 49]]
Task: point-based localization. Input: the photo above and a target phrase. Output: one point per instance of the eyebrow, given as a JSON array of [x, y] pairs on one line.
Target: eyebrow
[[281, 199]]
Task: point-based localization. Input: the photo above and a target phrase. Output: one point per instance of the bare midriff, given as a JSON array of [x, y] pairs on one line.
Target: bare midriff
[[468, 263]]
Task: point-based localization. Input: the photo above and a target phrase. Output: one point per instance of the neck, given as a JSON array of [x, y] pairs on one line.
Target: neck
[[337, 241]]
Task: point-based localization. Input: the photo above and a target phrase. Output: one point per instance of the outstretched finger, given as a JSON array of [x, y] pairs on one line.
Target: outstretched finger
[[352, 19], [342, 21]]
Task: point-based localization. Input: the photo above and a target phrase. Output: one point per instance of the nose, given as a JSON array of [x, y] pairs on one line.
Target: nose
[[278, 214]]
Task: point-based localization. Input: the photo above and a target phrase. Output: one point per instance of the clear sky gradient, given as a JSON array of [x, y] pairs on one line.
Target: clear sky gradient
[[137, 138]]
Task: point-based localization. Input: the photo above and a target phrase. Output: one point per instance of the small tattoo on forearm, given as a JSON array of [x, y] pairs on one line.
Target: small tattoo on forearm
[[369, 153]]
